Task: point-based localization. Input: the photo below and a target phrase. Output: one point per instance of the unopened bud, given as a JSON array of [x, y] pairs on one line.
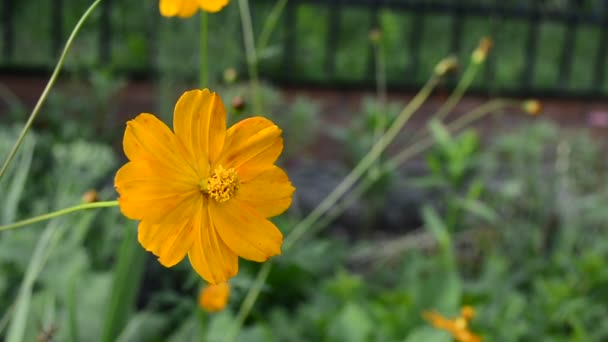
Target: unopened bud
[[481, 52], [375, 35], [238, 103], [230, 75], [467, 312], [90, 196], [532, 107], [446, 66]]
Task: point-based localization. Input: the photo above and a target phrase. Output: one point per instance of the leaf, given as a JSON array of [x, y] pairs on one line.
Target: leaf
[[440, 134], [128, 271], [144, 326], [479, 208], [353, 324]]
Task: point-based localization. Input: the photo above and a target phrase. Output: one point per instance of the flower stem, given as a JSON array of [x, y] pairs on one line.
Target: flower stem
[[249, 301], [252, 59], [203, 67], [270, 24], [59, 213], [48, 87], [366, 162]]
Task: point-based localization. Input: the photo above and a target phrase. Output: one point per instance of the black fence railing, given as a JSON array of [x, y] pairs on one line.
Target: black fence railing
[[542, 47]]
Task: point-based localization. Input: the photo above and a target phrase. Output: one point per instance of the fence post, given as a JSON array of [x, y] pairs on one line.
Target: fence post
[[290, 40], [415, 41], [602, 50], [56, 27], [333, 25], [374, 25], [105, 33], [565, 63], [8, 28], [527, 75]]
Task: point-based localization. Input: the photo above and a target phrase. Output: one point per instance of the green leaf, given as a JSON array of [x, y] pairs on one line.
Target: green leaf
[[128, 272], [479, 208], [440, 134], [144, 326], [353, 324]]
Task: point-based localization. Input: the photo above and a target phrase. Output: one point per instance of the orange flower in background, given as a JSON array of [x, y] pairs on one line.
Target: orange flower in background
[[458, 327], [202, 190], [214, 298], [187, 8]]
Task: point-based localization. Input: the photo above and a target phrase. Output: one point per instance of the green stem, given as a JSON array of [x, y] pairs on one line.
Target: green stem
[[249, 301], [454, 126], [458, 93], [48, 87], [203, 67], [59, 213], [252, 60], [270, 24], [366, 162]]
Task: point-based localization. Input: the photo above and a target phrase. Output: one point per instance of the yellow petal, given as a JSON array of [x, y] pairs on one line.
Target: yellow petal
[[181, 8], [199, 122], [269, 193], [260, 162], [212, 5], [209, 256], [150, 192], [172, 237], [245, 231], [253, 144], [148, 138], [169, 8]]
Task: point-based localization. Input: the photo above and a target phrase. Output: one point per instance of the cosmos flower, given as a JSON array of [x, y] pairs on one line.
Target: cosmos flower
[[458, 327], [187, 8], [203, 190]]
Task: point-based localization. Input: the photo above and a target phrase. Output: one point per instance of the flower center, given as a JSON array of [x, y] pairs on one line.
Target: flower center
[[222, 185]]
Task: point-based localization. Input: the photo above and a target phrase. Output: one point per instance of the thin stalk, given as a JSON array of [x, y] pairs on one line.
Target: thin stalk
[[204, 55], [454, 126], [252, 59], [366, 162], [381, 115], [48, 87], [59, 213], [463, 84], [270, 24], [249, 301]]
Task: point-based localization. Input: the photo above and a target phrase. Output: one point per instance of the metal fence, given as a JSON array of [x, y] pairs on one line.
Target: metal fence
[[557, 47]]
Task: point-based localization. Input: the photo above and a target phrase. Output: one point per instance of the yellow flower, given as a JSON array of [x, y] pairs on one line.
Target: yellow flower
[[187, 8], [458, 327], [204, 191], [214, 298]]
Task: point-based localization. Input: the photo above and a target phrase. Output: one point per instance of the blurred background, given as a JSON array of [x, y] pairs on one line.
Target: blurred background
[[508, 216]]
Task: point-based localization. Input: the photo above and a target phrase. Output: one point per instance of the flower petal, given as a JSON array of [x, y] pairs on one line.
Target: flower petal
[[209, 256], [148, 138], [212, 5], [172, 237], [181, 8], [269, 193], [251, 145], [150, 191], [245, 231], [199, 122]]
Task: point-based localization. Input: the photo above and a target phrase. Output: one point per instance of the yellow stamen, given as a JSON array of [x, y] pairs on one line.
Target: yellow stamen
[[222, 185]]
